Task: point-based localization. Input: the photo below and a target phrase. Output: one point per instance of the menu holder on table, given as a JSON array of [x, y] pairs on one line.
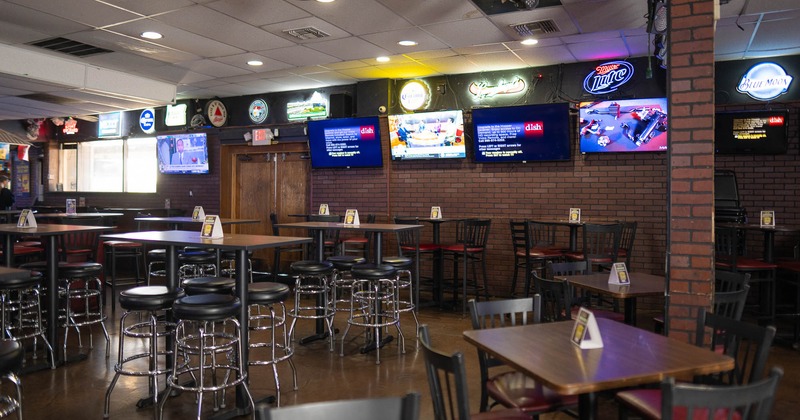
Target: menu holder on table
[[198, 213], [575, 215], [72, 206], [619, 274], [585, 332], [26, 219], [324, 210], [351, 217], [436, 212], [768, 218], [212, 228]]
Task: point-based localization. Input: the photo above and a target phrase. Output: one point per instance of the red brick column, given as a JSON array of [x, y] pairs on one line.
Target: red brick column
[[690, 86]]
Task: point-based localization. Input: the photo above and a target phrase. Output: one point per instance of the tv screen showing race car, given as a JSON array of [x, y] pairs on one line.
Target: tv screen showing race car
[[624, 125]]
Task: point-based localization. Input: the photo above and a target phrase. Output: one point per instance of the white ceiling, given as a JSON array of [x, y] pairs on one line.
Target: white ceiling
[[207, 43]]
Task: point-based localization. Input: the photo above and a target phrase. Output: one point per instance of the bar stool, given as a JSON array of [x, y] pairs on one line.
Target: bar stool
[[115, 250], [80, 287], [209, 331], [10, 363], [21, 309], [405, 280], [143, 301], [376, 287], [312, 280], [196, 263], [156, 258], [342, 281], [265, 296], [227, 264], [204, 285]]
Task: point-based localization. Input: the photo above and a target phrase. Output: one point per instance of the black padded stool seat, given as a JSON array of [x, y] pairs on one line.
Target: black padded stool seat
[[149, 298], [203, 285], [373, 271], [398, 262], [208, 307], [38, 265], [79, 269], [196, 257], [230, 254], [345, 262], [12, 278], [310, 267], [157, 254], [267, 292], [10, 356]]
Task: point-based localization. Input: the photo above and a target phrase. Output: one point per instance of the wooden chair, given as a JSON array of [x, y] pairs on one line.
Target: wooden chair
[[447, 379], [512, 389], [388, 408]]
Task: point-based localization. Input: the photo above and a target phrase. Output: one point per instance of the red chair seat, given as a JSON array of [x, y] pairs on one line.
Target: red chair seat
[[541, 252], [514, 389], [460, 248], [789, 265], [647, 402], [422, 248], [356, 240], [28, 243], [122, 244], [27, 250], [748, 264]]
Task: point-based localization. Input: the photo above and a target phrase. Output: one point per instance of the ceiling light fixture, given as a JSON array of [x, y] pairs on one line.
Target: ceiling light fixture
[[407, 43], [529, 41], [255, 63], [325, 1], [151, 35], [382, 59]]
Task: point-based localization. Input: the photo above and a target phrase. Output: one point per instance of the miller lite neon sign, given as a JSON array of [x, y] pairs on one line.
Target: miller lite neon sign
[[608, 77], [764, 82]]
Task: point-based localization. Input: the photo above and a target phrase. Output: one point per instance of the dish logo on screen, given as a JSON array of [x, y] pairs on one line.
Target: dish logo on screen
[[534, 129], [367, 132], [776, 120]]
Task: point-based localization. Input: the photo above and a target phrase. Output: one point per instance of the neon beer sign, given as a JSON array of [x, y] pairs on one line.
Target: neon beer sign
[[608, 77], [764, 82]]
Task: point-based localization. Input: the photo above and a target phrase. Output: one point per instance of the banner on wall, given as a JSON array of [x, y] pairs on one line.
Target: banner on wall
[[5, 148]]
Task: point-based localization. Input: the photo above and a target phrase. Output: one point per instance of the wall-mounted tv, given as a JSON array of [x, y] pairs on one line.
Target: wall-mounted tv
[[183, 153], [624, 125], [427, 135], [521, 133], [752, 132], [345, 143]]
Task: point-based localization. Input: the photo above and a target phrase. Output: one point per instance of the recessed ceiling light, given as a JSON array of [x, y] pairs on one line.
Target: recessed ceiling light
[[325, 1], [255, 63], [530, 41], [151, 35], [408, 43], [382, 59]]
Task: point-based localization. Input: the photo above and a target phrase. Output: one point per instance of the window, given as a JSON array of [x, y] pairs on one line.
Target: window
[[109, 166]]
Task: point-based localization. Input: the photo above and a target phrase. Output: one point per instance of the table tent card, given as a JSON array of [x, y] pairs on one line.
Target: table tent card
[[585, 332], [351, 217], [198, 213], [72, 206], [324, 210], [619, 274], [212, 228], [26, 219], [574, 215], [436, 212], [767, 218]]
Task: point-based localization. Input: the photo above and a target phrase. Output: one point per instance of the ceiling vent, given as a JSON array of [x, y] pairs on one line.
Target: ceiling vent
[[68, 46], [50, 99], [306, 33], [539, 27]]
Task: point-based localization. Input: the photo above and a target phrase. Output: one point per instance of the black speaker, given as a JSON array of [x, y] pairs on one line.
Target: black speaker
[[341, 105]]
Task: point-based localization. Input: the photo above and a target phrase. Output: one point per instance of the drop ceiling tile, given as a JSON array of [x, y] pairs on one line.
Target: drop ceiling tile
[[150, 7], [349, 48], [481, 49], [178, 39], [590, 51], [299, 55], [777, 35], [124, 43], [546, 56], [389, 39], [428, 55], [333, 31], [637, 45], [729, 39], [453, 65], [93, 13], [357, 17], [594, 16], [754, 7], [425, 12], [259, 13], [212, 68], [331, 78], [497, 61], [365, 73], [467, 33], [240, 61]]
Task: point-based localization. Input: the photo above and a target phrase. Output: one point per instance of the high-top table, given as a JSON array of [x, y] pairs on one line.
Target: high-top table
[[241, 244], [175, 221], [630, 356], [641, 284], [50, 232], [574, 227], [769, 235]]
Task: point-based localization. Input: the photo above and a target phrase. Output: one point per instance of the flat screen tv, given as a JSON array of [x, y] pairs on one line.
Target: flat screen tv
[[624, 125], [752, 132], [427, 135], [521, 133], [345, 143], [182, 153]]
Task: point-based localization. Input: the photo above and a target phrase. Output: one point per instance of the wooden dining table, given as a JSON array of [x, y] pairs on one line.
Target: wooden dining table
[[641, 284], [629, 357]]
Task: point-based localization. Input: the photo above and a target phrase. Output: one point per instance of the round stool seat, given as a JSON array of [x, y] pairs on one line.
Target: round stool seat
[[157, 255], [311, 267], [10, 356], [196, 257], [38, 265], [345, 262], [208, 307], [231, 254], [398, 262], [81, 269], [122, 244], [17, 279], [265, 293], [373, 271], [149, 298], [201, 285]]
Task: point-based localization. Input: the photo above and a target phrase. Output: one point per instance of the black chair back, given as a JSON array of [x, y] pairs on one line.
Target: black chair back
[[556, 296], [601, 244], [729, 281], [731, 304], [388, 408], [447, 379], [626, 241]]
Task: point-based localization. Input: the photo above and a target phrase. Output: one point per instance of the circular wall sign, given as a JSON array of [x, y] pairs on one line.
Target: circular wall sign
[[258, 111], [147, 121], [414, 95], [217, 113]]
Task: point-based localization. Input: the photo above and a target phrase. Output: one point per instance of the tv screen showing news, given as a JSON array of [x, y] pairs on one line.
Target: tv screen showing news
[[345, 143], [521, 133], [427, 135], [624, 125], [752, 132], [182, 153]]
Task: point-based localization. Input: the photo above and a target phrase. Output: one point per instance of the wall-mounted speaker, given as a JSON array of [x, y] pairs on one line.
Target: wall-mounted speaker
[[341, 105]]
